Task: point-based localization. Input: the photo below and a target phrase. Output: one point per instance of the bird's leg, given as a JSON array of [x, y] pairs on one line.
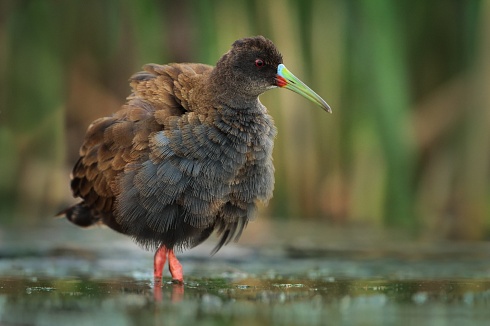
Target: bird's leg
[[173, 264], [175, 267], [159, 261]]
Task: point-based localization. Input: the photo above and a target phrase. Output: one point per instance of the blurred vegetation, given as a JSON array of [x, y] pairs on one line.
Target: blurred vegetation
[[408, 143]]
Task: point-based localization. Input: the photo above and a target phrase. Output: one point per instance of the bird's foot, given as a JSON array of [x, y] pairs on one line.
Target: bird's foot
[[175, 268]]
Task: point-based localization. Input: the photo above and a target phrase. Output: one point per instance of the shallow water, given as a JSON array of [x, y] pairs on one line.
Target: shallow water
[[60, 275]]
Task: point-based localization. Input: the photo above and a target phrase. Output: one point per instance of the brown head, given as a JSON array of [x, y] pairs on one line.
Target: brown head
[[254, 65]]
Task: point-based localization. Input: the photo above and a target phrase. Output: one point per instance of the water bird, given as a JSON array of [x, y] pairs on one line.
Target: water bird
[[189, 154]]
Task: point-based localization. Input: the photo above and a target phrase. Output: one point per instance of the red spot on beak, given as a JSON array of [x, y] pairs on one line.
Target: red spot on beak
[[280, 81]]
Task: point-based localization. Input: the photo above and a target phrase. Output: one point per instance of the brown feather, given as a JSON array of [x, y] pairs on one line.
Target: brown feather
[[183, 156]]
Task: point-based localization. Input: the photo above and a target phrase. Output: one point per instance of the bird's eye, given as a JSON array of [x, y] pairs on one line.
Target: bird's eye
[[259, 63]]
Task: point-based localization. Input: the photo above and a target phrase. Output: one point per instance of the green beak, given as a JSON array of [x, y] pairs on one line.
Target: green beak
[[286, 79]]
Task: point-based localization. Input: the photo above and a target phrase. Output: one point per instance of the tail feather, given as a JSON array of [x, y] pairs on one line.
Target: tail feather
[[80, 215]]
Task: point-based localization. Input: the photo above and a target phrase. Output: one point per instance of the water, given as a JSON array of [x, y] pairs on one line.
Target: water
[[61, 275]]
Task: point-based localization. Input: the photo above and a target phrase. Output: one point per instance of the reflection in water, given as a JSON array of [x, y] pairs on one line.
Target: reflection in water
[[176, 290], [126, 301], [319, 282]]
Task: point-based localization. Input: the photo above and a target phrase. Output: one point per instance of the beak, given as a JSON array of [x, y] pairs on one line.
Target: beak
[[286, 79]]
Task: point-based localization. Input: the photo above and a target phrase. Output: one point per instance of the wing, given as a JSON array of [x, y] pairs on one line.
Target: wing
[[115, 144]]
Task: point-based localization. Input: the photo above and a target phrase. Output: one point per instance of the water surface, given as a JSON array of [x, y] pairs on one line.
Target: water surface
[[61, 275]]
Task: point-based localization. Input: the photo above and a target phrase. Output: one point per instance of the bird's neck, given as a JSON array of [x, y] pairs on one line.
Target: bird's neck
[[229, 93]]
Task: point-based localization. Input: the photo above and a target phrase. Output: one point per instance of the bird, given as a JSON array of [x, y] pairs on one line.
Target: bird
[[188, 154]]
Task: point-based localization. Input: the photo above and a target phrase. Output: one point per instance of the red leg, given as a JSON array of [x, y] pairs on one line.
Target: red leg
[[159, 261], [175, 267], [175, 270]]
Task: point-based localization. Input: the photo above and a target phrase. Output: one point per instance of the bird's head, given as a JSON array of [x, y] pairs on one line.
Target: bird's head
[[254, 65]]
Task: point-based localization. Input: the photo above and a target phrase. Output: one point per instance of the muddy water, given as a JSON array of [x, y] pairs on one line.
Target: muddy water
[[59, 275]]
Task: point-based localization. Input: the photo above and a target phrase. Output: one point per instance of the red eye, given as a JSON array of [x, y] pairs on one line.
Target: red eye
[[259, 63]]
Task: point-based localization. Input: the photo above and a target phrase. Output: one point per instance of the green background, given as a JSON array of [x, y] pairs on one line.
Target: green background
[[407, 145]]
